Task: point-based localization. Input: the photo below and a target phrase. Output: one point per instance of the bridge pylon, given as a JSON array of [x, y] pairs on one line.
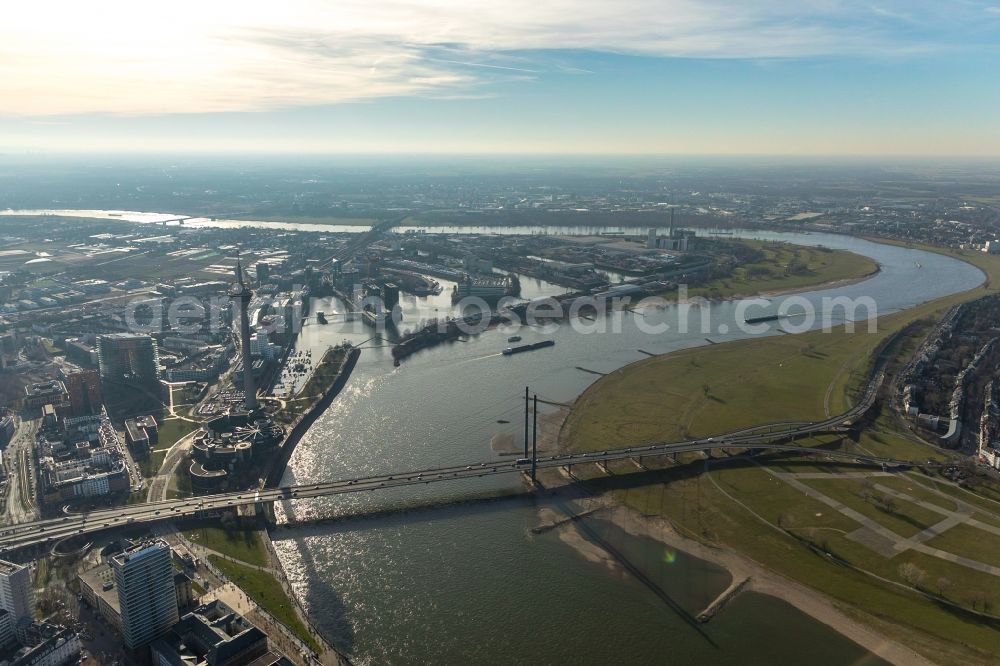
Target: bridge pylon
[[534, 439]]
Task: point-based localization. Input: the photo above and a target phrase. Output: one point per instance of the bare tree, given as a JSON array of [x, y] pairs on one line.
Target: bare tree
[[976, 599], [911, 573]]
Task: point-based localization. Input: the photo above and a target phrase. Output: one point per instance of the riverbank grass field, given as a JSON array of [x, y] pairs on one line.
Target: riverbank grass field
[[754, 507], [787, 267], [717, 388], [266, 592], [239, 543]]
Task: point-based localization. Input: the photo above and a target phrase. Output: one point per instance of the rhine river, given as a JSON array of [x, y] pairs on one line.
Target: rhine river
[[447, 574], [439, 574]]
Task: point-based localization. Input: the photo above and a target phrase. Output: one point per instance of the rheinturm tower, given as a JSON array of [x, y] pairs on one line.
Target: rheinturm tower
[[241, 295]]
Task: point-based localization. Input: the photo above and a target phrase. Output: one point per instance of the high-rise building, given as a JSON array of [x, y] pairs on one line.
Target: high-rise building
[[263, 272], [7, 637], [16, 593], [144, 577], [84, 387], [390, 297], [127, 358]]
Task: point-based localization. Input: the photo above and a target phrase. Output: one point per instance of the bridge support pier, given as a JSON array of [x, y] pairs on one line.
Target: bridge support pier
[[638, 463], [604, 467]]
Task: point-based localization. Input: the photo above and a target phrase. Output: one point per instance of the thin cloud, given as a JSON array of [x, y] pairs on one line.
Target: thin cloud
[[486, 65], [258, 55]]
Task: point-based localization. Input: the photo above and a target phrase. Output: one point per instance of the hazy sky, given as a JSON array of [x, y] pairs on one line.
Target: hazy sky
[[512, 76]]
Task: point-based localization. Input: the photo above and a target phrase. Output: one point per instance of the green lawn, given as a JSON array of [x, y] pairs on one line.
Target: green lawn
[[716, 388], [826, 528], [171, 430], [237, 542], [151, 464], [881, 441], [906, 484], [987, 505], [266, 591], [781, 504], [181, 482], [988, 518], [51, 348], [971, 542], [722, 387], [186, 395], [904, 518], [770, 274]]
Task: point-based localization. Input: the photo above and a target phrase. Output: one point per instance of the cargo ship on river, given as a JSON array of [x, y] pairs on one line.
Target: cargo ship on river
[[510, 351]]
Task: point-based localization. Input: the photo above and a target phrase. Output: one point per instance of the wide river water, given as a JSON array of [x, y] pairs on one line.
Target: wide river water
[[442, 574], [448, 574]]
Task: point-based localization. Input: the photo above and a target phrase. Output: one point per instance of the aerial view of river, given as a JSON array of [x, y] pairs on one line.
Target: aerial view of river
[[451, 572], [446, 573]]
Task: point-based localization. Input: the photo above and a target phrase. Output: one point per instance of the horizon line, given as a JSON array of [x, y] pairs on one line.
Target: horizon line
[[487, 154]]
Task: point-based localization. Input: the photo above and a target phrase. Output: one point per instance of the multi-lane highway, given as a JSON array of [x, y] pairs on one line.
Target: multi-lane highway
[[20, 506]]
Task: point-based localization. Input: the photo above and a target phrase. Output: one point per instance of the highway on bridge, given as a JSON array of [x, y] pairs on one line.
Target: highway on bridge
[[763, 437]]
